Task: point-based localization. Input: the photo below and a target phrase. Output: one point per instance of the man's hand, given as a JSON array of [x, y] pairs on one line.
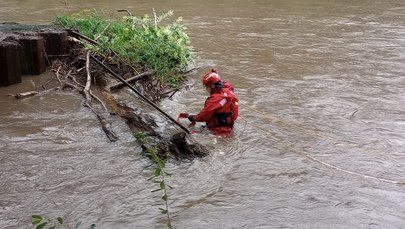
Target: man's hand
[[191, 118]]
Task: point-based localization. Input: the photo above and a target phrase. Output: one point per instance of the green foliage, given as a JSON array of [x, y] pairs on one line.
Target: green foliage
[[162, 46], [159, 173], [41, 222]]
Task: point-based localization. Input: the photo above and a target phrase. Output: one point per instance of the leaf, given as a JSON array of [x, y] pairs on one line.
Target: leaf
[[92, 226], [162, 164], [37, 217], [42, 225], [60, 220], [153, 155], [36, 221], [164, 197], [162, 185], [157, 172], [163, 211]]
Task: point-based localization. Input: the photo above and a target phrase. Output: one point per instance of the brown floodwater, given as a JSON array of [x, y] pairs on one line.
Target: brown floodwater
[[320, 142]]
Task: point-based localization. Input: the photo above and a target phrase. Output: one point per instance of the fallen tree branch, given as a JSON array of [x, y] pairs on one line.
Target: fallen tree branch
[[99, 100], [174, 92], [57, 75], [188, 70], [68, 85], [46, 83], [129, 80], [105, 125], [32, 93], [87, 94], [88, 82], [24, 94], [74, 80]]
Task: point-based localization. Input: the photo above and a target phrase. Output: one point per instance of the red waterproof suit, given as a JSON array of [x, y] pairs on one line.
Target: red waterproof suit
[[220, 111]]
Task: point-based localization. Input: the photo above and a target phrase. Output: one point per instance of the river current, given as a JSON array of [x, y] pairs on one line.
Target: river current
[[320, 142]]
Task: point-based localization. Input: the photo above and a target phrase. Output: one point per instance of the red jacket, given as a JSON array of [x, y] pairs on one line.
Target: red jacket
[[220, 111], [228, 85]]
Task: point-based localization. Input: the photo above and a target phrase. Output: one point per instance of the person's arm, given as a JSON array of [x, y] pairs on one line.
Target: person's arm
[[212, 104]]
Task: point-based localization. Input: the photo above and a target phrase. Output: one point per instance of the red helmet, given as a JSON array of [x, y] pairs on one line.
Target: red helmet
[[211, 78]]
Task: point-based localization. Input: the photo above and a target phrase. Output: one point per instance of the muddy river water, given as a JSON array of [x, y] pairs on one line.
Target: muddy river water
[[320, 142]]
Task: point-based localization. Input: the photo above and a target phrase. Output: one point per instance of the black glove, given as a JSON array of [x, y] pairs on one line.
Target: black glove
[[191, 118]]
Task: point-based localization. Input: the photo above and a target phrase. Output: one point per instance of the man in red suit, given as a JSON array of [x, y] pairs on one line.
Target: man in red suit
[[221, 107]]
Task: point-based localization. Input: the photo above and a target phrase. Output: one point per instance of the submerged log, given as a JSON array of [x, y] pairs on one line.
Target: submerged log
[[10, 72], [32, 55], [135, 121], [179, 145]]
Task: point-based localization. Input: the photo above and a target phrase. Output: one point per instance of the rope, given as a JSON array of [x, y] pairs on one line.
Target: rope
[[311, 157]]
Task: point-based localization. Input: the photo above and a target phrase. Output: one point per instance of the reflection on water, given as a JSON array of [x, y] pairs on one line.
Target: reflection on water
[[319, 144]]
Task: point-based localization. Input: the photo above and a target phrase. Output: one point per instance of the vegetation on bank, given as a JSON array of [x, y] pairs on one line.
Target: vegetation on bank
[[156, 43]]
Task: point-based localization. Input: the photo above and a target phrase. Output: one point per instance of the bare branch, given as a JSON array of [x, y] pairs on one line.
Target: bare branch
[[154, 16]]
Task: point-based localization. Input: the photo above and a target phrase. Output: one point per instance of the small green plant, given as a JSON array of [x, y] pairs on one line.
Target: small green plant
[[157, 43], [43, 222], [159, 174]]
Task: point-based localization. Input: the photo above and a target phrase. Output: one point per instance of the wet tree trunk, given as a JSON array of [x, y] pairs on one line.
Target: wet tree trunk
[[32, 55], [56, 43], [10, 72]]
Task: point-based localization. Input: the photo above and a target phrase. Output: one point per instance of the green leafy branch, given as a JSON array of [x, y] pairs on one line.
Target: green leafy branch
[[43, 222], [159, 174]]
